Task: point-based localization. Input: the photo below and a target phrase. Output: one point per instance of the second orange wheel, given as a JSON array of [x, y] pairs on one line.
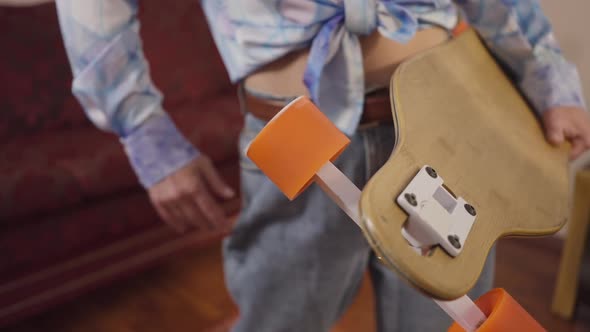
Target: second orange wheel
[[504, 314]]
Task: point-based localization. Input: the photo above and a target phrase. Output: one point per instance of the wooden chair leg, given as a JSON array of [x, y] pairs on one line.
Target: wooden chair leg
[[564, 298]]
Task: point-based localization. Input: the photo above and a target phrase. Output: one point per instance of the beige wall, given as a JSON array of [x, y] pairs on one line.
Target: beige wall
[[570, 21], [572, 28]]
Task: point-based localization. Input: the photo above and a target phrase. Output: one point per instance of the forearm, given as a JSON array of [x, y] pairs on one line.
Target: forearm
[[112, 82], [520, 35]]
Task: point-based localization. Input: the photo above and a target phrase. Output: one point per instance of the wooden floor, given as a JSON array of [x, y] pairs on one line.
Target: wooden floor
[[187, 294]]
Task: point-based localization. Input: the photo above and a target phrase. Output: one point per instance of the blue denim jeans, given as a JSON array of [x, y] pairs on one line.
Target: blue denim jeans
[[296, 266]]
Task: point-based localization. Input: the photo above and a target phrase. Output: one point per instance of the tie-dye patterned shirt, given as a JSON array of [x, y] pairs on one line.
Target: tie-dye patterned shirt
[[112, 82]]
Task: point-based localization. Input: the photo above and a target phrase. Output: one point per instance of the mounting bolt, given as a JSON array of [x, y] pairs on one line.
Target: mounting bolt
[[431, 172], [454, 240], [470, 209], [411, 198]]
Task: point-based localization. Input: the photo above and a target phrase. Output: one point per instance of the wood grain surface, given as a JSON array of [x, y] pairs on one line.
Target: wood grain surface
[[455, 110]]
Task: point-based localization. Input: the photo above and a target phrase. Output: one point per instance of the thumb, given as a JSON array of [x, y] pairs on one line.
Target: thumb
[[555, 132], [556, 136]]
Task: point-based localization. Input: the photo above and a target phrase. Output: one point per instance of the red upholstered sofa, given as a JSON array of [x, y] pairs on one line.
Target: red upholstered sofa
[[72, 214]]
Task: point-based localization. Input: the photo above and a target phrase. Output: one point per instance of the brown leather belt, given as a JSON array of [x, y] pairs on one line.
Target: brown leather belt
[[377, 107]]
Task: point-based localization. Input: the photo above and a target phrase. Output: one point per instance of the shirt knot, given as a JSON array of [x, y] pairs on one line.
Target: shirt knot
[[360, 16]]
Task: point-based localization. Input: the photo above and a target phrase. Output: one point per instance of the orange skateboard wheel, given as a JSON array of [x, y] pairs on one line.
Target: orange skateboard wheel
[[504, 314], [461, 27], [295, 144]]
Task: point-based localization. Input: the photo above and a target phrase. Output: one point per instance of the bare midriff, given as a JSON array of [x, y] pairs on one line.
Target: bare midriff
[[284, 77]]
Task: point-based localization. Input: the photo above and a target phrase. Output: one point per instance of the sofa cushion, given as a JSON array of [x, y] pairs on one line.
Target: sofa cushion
[[60, 169], [35, 88], [65, 256], [30, 247]]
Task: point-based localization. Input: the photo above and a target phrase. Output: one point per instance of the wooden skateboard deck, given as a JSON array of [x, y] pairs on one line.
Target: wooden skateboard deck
[[455, 110]]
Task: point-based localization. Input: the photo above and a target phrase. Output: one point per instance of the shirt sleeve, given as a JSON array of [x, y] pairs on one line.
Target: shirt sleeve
[[113, 85], [520, 36]]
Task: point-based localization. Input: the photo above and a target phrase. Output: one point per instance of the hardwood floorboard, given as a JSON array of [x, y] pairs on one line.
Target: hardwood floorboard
[[187, 293]]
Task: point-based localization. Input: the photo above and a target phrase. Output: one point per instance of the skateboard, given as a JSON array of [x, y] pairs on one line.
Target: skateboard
[[469, 166]]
